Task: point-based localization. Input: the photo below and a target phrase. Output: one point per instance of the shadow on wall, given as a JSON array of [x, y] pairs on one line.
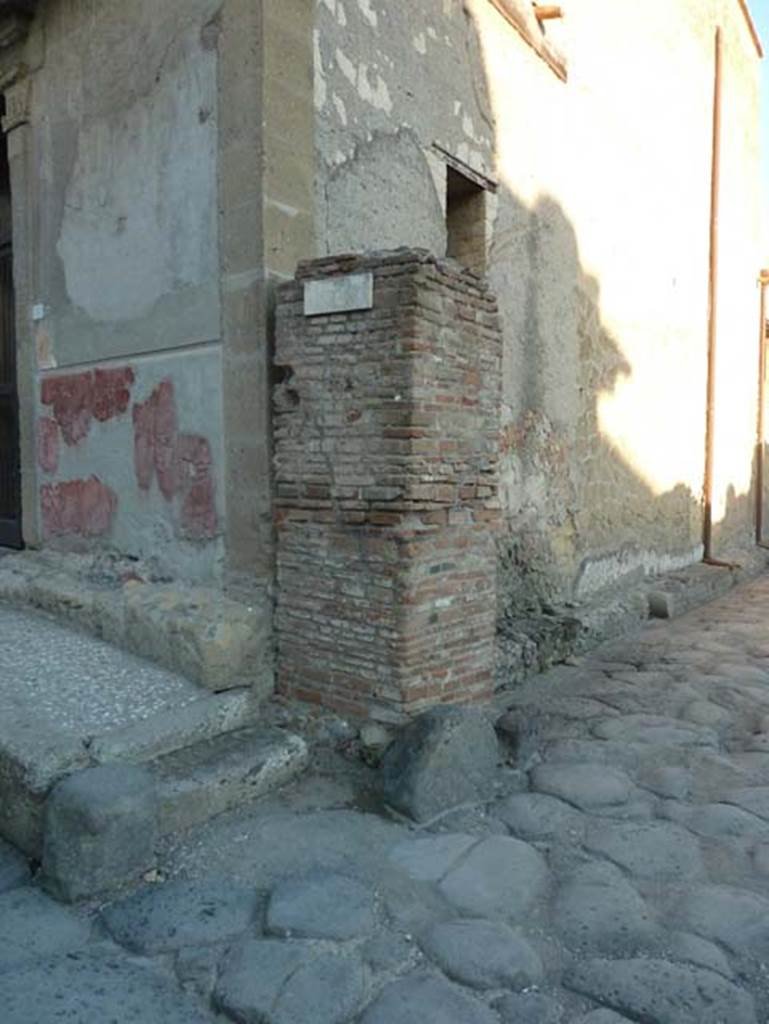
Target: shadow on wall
[[579, 515]]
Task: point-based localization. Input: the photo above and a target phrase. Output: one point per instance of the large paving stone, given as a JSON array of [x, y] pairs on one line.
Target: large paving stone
[[100, 828], [529, 1008], [33, 926], [736, 918], [718, 821], [602, 1017], [648, 850], [94, 988], [598, 910], [657, 991], [162, 918], [483, 954], [264, 981], [14, 869], [429, 858], [539, 816], [323, 906], [656, 730], [498, 878], [586, 786], [692, 949], [754, 799], [422, 998], [445, 757]]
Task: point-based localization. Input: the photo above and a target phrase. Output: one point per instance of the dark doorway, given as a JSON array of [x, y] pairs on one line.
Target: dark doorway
[[10, 470]]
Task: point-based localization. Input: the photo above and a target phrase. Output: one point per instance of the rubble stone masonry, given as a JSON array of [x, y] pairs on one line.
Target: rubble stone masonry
[[386, 457]]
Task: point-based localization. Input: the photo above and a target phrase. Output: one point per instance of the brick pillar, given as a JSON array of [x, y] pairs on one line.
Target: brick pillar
[[386, 447]]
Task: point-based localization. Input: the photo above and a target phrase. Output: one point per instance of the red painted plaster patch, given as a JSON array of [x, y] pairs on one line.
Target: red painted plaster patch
[[82, 508], [72, 400], [111, 392], [181, 463], [155, 429], [78, 398], [196, 487], [47, 444]]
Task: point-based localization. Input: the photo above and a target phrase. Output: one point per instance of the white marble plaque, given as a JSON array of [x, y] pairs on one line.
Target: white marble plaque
[[339, 294]]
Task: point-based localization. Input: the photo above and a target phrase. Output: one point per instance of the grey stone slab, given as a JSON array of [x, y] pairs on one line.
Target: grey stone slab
[[692, 949], [323, 906], [165, 917], [718, 821], [100, 830], [483, 954], [655, 850], [534, 816], [271, 982], [654, 990], [445, 757], [529, 1008], [429, 858], [586, 786], [421, 998], [95, 988], [753, 799], [599, 911], [656, 730], [498, 878], [736, 918], [667, 781], [33, 926], [602, 1017], [14, 868]]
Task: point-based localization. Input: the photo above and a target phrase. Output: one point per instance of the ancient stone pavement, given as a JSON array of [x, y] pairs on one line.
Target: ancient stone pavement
[[618, 871]]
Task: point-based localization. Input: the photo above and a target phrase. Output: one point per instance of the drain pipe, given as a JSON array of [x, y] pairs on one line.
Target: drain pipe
[[715, 183], [763, 280]]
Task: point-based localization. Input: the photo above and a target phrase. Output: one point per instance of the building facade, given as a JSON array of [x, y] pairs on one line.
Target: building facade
[[169, 164]]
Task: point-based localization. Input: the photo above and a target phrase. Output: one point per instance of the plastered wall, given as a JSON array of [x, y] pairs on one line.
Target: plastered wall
[[598, 252], [125, 284]]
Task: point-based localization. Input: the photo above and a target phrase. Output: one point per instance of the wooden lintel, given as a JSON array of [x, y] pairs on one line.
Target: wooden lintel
[[546, 12], [523, 21]]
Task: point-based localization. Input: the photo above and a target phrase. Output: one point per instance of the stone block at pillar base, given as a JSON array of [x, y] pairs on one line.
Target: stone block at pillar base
[[100, 831]]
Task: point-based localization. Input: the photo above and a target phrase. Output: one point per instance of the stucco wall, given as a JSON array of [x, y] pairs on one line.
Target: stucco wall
[[598, 252], [124, 143]]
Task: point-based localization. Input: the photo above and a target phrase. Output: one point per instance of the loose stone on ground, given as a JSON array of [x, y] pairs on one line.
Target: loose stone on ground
[[444, 758]]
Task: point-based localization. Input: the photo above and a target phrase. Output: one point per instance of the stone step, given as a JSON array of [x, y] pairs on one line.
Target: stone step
[[70, 702], [220, 639], [203, 780]]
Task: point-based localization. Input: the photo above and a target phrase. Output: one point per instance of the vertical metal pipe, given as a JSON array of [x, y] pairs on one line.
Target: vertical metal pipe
[[715, 182], [762, 282]]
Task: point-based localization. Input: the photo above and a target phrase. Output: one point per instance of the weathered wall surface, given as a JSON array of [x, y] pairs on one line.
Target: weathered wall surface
[[126, 287], [598, 253]]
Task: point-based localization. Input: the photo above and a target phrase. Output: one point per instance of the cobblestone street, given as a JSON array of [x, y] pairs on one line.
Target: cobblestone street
[[619, 872]]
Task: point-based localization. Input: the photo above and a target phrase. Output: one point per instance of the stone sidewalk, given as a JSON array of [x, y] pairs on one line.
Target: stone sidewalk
[[619, 871]]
